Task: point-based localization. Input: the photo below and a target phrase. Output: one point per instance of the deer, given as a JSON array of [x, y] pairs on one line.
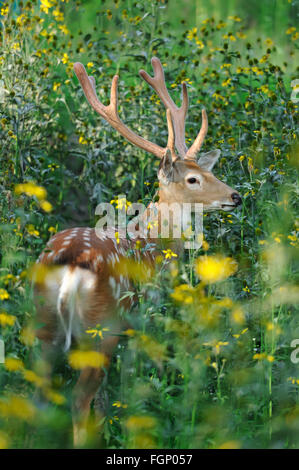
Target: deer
[[80, 292]]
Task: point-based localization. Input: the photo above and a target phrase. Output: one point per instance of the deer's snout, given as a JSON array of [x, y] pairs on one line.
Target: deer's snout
[[236, 199]]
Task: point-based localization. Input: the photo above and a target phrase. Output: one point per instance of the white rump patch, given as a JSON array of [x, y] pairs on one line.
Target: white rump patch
[[69, 290]]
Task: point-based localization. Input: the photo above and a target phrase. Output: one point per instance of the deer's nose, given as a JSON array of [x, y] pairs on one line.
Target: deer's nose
[[236, 199]]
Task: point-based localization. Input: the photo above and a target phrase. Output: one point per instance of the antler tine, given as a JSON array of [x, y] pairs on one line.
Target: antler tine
[[157, 82], [110, 114], [171, 136], [195, 147]]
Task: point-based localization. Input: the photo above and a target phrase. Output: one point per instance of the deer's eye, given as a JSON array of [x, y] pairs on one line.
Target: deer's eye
[[192, 180]]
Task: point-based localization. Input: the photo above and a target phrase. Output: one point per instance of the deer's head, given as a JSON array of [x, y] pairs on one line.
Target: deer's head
[[184, 177]]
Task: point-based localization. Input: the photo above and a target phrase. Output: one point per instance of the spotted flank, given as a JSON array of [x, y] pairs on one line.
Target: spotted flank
[[83, 247]]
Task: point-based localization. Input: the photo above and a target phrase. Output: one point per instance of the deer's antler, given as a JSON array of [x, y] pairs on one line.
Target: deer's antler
[[175, 116], [195, 147], [110, 113], [157, 82]]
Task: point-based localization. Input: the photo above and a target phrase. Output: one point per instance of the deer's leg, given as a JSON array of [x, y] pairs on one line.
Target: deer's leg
[[85, 390]]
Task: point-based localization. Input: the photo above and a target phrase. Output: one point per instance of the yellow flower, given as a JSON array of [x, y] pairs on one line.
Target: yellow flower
[[4, 442], [117, 237], [130, 332], [235, 18], [136, 423], [226, 82], [144, 441], [54, 397], [98, 331], [31, 230], [13, 364], [46, 206], [214, 268], [32, 377], [169, 254], [81, 359], [269, 42], [5, 319], [4, 11], [131, 269], [31, 189], [63, 28], [45, 5], [264, 356], [27, 336], [238, 316], [118, 404], [82, 140], [4, 295], [56, 86], [121, 203], [290, 30], [65, 58], [230, 445], [58, 15], [184, 293], [192, 34], [90, 64], [156, 351], [17, 407]]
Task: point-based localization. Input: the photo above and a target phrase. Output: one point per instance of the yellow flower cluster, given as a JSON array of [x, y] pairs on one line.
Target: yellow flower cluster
[[31, 189]]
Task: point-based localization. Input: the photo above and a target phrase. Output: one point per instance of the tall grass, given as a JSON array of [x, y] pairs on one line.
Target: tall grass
[[207, 362]]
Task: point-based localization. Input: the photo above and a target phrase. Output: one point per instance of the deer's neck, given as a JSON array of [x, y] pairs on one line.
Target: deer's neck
[[163, 224]]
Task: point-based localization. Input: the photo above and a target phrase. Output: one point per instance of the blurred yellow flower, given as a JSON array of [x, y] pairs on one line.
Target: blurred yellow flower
[[230, 445], [214, 268], [155, 350], [144, 441], [13, 364], [237, 315], [32, 377], [27, 336], [264, 356], [184, 293], [55, 397], [17, 407], [5, 319], [129, 268], [4, 295], [31, 189], [136, 423], [4, 441], [81, 359], [46, 206]]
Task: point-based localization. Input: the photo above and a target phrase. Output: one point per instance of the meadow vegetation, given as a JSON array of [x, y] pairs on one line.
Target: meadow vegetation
[[207, 360]]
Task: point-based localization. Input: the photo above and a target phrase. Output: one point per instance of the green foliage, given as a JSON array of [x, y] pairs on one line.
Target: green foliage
[[208, 372]]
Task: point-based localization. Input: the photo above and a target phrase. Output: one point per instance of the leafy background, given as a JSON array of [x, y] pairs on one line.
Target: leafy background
[[218, 373]]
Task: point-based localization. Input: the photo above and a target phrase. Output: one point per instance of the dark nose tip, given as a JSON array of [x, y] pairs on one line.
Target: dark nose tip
[[236, 199]]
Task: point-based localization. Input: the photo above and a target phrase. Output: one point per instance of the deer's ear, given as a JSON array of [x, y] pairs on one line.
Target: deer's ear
[[165, 172], [208, 160]]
